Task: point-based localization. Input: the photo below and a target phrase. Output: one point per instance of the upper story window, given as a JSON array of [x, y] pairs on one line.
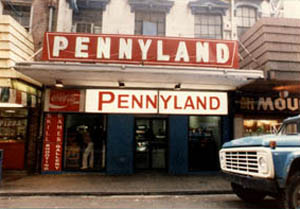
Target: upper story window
[[87, 21], [208, 26], [150, 16], [246, 17], [21, 13], [209, 17], [150, 23]]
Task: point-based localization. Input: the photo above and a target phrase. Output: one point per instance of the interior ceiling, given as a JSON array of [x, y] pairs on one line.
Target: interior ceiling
[[103, 75]]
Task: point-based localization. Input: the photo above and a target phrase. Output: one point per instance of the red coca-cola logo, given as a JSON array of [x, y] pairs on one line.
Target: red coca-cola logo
[[64, 100]]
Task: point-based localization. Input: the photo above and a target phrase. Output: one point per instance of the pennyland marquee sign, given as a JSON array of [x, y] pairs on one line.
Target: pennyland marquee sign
[[145, 50], [156, 102]]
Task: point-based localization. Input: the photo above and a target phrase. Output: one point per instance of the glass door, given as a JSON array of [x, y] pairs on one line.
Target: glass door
[[151, 144], [204, 142], [84, 145]]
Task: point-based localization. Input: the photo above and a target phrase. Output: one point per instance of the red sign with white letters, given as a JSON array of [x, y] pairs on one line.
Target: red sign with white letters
[[145, 50], [53, 139], [63, 100]]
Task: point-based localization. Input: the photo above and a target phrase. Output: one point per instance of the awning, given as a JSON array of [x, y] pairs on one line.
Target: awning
[[137, 76]]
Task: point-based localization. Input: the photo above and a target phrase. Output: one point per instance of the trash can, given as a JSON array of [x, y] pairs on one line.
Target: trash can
[[1, 161]]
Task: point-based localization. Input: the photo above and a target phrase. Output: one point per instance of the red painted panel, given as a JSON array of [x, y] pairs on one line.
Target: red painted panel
[[14, 153], [52, 149], [145, 50]]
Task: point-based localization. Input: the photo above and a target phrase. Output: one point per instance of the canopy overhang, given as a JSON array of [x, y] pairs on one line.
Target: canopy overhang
[[137, 76]]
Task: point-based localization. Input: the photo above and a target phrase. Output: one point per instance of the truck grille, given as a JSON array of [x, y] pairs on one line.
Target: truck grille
[[241, 161]]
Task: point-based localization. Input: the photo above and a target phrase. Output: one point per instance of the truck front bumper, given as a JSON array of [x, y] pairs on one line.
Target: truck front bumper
[[261, 184]]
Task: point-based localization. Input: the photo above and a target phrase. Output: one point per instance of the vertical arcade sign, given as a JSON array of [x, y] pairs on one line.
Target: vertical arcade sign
[[52, 149]]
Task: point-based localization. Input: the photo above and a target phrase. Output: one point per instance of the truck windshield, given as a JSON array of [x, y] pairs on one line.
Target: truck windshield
[[292, 128]]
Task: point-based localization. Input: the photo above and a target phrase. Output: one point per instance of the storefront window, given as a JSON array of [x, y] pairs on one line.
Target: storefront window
[[260, 127], [84, 142], [204, 141], [151, 144], [13, 124]]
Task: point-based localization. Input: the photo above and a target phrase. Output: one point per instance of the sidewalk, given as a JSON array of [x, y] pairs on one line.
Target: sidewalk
[[106, 185]]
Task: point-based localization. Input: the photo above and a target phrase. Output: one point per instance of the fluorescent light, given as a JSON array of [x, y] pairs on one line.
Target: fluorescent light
[[4, 104]]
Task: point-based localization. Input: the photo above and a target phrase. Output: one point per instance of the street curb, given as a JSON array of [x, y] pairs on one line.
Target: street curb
[[169, 193]]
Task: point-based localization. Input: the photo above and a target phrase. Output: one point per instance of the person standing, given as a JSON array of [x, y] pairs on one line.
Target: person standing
[[88, 153]]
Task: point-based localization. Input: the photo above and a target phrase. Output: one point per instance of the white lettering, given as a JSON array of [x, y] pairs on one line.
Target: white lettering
[[293, 107], [280, 104], [144, 47], [103, 48], [222, 53], [125, 49], [202, 52], [182, 52], [265, 103], [160, 55], [60, 43], [81, 45]]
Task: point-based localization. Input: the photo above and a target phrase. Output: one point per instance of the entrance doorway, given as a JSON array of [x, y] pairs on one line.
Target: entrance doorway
[[84, 144], [204, 142], [151, 144]]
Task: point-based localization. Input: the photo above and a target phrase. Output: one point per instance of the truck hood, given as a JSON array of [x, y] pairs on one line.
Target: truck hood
[[281, 141]]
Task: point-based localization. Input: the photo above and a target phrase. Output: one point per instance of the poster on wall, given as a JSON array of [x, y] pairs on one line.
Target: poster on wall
[[156, 102], [64, 100], [53, 140]]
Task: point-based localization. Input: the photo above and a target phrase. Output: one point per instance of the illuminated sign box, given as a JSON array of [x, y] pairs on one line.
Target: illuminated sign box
[[156, 102]]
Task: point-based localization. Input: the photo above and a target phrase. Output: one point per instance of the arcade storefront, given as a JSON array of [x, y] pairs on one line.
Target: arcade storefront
[[158, 108], [261, 106]]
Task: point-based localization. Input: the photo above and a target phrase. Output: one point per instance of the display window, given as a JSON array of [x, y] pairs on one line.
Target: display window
[[84, 144], [257, 127], [13, 124], [204, 142], [13, 134]]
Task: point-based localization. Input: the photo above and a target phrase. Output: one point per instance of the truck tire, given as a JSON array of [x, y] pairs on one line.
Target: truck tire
[[248, 195], [292, 195]]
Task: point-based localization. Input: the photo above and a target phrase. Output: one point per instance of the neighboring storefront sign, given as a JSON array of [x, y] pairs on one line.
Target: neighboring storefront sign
[[17, 97], [53, 140], [156, 102], [267, 104], [146, 50], [64, 100]]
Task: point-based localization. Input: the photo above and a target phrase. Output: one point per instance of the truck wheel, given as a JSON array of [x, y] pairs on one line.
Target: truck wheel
[[292, 199], [248, 195]]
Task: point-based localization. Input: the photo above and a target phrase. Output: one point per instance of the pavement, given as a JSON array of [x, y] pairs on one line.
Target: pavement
[[148, 183]]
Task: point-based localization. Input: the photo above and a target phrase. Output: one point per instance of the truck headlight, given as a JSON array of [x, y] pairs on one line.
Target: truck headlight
[[262, 164], [222, 160]]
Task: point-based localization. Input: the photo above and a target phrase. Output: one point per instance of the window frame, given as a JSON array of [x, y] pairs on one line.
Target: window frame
[[150, 16], [198, 22], [242, 28], [78, 18], [7, 10]]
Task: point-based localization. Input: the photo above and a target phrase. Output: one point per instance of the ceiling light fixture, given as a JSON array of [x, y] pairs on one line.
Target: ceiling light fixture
[[178, 86], [59, 84], [121, 84]]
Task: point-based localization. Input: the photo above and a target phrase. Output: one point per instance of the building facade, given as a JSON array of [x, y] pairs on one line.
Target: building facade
[[115, 141], [272, 46], [19, 98]]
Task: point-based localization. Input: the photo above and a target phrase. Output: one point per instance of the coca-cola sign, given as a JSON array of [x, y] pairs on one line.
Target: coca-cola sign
[[61, 100]]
